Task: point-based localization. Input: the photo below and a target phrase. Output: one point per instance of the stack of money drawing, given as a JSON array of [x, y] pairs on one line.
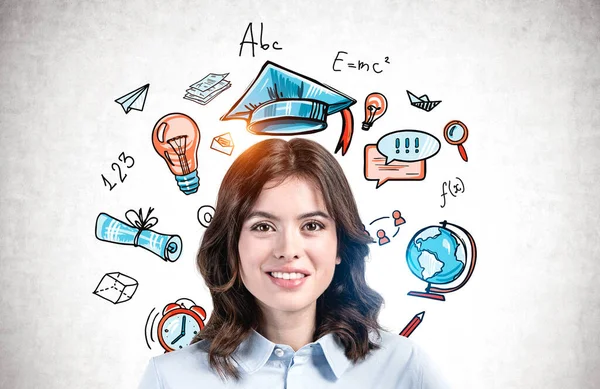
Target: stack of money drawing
[[208, 88]]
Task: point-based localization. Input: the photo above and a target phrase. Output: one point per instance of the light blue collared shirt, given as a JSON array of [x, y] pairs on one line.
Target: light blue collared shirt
[[399, 363]]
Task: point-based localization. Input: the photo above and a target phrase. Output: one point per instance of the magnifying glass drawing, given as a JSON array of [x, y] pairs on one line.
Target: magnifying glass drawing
[[456, 133]]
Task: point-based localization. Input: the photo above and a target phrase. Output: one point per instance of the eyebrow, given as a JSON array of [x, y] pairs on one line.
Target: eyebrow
[[271, 216]]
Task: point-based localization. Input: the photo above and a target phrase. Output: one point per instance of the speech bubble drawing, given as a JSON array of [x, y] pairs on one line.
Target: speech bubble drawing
[[408, 146], [376, 168]]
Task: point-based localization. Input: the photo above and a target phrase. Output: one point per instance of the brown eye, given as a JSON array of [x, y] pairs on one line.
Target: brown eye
[[313, 226], [261, 227]]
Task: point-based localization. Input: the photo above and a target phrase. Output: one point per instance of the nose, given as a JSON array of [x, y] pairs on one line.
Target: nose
[[289, 245]]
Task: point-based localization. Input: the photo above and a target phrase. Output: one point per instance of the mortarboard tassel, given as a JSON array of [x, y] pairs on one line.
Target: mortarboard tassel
[[347, 130]]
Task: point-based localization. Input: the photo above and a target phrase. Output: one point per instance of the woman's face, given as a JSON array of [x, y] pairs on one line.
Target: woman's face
[[288, 247]]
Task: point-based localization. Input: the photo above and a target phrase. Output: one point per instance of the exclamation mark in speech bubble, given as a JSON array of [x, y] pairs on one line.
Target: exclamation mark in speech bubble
[[397, 145]]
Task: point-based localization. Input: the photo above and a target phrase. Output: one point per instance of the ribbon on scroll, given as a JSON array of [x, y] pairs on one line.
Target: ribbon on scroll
[[138, 234]]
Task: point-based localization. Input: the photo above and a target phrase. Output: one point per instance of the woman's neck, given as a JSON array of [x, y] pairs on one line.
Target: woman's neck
[[295, 329]]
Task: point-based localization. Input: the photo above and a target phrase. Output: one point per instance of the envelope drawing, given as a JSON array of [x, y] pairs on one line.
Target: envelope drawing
[[134, 99], [223, 143]]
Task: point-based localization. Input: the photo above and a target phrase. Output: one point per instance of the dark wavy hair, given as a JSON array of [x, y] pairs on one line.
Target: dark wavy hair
[[348, 308]]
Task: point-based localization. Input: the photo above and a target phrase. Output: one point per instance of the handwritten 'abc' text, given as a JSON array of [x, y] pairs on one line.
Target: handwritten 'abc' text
[[252, 42]]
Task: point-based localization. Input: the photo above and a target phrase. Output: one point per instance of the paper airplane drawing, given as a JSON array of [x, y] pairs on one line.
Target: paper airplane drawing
[[134, 99], [422, 102]]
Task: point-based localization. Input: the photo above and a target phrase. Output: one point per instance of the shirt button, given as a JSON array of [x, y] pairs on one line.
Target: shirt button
[[279, 352]]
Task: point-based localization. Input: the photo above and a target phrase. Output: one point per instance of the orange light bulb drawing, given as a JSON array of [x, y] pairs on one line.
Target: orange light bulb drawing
[[375, 107], [176, 138]]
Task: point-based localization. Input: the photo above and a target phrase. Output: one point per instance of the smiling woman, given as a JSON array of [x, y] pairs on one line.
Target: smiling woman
[[284, 260], [288, 253]]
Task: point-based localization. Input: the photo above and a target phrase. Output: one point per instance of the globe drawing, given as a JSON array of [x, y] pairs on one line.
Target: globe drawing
[[438, 255]]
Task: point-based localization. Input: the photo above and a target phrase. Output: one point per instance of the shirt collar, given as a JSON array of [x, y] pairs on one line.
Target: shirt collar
[[253, 352], [335, 353], [256, 350]]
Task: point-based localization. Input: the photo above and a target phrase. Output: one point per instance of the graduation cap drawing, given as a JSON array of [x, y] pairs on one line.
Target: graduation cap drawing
[[282, 102]]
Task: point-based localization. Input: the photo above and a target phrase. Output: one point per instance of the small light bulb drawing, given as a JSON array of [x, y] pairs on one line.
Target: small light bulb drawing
[[375, 107], [176, 138]]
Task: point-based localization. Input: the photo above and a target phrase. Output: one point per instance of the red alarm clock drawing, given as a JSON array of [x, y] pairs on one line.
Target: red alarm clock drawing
[[180, 324]]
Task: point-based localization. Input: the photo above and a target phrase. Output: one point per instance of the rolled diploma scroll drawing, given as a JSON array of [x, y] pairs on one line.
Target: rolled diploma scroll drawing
[[109, 229]]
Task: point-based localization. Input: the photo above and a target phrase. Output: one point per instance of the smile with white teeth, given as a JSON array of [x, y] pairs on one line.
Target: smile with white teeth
[[287, 276]]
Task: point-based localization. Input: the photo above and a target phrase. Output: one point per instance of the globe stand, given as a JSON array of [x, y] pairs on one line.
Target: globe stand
[[427, 294], [432, 296]]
